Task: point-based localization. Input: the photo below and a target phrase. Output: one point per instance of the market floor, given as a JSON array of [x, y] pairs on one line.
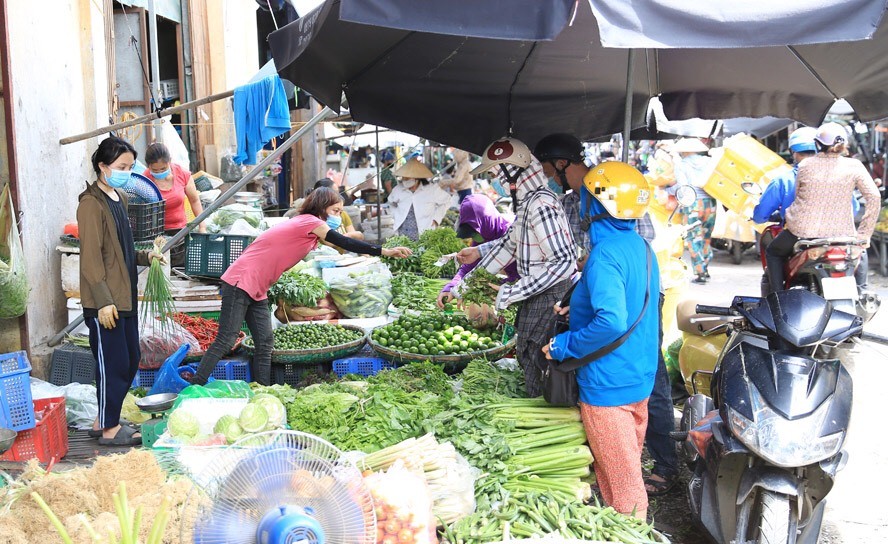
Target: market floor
[[856, 509]]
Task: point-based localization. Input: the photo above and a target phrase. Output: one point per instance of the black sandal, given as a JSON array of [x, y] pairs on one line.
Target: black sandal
[[125, 437], [98, 433], [659, 487]]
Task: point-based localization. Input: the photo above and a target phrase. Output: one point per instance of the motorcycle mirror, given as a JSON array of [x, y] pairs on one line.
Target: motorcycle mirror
[[685, 195], [751, 188]]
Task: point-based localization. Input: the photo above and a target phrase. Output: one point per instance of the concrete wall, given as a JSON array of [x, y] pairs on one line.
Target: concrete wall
[[234, 56], [60, 87]]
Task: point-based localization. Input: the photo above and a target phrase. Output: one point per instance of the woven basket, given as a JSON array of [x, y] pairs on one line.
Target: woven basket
[[194, 356], [450, 362], [318, 355]]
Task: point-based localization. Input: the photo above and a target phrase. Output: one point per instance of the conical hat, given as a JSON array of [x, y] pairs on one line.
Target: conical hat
[[413, 169]]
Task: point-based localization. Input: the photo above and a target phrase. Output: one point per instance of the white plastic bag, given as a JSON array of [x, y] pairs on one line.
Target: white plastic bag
[[403, 506], [14, 286], [81, 406]]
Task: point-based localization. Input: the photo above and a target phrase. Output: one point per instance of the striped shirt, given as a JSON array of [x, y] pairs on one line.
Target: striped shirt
[[822, 207], [539, 239]]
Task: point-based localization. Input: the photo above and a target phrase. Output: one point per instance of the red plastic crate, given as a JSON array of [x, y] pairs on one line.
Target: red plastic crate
[[48, 440]]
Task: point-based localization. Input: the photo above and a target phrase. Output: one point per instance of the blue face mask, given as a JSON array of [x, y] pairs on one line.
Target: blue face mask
[[119, 178], [498, 187], [334, 221], [162, 175], [555, 187]]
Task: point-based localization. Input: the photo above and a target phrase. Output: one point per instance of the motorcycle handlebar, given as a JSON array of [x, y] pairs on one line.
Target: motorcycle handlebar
[[713, 310]]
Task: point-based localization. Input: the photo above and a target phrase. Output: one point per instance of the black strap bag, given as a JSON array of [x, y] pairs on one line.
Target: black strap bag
[[560, 378]]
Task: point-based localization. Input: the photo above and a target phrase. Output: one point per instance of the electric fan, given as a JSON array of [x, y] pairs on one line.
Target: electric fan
[[279, 487]]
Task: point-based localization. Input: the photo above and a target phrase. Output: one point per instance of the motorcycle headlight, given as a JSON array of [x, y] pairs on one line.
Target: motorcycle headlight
[[783, 442]]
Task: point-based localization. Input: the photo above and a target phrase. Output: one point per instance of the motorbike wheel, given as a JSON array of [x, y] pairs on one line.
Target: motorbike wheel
[[777, 521], [736, 252]]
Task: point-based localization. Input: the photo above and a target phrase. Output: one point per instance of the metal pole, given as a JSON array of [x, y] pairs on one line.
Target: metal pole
[[323, 114], [378, 193], [627, 115], [155, 66], [139, 120]]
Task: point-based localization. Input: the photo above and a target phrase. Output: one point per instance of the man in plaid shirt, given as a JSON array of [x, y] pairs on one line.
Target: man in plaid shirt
[[540, 241]]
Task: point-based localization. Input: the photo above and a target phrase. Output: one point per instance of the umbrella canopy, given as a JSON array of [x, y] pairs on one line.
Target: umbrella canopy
[[459, 90], [465, 91]]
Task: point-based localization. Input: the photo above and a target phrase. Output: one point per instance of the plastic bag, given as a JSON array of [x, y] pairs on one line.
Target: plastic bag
[[453, 493], [158, 341], [217, 389], [14, 286], [403, 503], [221, 221], [81, 405], [168, 379], [363, 294]]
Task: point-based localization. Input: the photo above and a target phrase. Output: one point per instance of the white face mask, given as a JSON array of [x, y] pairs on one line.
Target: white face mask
[[408, 183]]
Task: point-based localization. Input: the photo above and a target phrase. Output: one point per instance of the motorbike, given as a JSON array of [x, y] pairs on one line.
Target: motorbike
[[733, 233], [765, 448], [702, 341], [824, 266]]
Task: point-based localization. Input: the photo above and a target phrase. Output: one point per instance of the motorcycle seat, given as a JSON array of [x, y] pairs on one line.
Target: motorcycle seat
[[816, 242]]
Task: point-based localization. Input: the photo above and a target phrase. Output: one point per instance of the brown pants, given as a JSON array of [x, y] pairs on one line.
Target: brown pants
[[616, 436]]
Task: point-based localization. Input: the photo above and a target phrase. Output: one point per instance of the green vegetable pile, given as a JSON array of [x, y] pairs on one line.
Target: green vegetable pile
[[297, 289], [479, 291], [442, 240], [432, 270], [414, 292], [433, 334], [410, 264], [310, 336]]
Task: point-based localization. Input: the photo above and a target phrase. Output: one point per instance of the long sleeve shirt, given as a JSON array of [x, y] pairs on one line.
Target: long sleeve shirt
[[540, 241], [778, 197], [822, 207]]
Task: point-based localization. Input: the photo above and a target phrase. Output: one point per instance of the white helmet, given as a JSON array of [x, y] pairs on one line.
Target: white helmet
[[830, 134], [504, 151]]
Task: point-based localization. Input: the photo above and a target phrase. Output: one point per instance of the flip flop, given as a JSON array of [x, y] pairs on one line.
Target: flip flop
[[659, 488], [124, 437], [97, 433]]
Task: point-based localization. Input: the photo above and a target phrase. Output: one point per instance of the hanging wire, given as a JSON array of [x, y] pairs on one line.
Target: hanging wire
[[271, 12]]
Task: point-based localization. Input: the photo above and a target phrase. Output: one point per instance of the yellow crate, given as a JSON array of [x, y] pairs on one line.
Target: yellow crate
[[744, 160]]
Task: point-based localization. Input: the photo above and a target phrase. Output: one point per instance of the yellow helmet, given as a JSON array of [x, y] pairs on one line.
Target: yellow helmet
[[622, 190]]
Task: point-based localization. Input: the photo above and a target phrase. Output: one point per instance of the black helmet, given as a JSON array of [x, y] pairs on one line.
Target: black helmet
[[559, 146]]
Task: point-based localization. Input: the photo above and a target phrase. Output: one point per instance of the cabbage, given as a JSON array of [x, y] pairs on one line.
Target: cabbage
[[253, 418], [183, 425], [277, 413], [228, 426]]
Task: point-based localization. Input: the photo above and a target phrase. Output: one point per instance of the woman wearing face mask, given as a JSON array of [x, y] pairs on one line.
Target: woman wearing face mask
[[479, 221], [245, 284], [108, 286], [175, 186], [417, 205]]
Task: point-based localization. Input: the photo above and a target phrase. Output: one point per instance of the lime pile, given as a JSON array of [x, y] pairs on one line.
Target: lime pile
[[433, 334], [310, 336]]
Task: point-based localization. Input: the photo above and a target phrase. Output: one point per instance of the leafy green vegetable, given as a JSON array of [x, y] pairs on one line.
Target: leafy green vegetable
[[432, 270], [277, 413], [183, 425], [410, 264], [228, 425], [253, 418], [442, 240], [298, 289], [414, 292]]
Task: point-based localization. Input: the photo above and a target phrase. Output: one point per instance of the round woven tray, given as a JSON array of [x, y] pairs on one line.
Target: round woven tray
[[194, 356], [319, 355], [450, 362]]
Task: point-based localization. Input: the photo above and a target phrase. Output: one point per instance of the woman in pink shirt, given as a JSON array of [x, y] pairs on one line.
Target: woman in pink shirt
[[245, 284]]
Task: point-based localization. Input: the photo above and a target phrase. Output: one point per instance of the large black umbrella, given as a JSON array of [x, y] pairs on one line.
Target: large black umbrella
[[459, 90], [424, 77]]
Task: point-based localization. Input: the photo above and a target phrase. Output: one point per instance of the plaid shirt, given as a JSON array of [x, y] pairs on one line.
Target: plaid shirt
[[539, 239], [571, 204], [645, 228]]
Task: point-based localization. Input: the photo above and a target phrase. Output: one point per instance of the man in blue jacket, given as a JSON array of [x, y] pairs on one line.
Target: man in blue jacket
[[612, 294], [781, 192]]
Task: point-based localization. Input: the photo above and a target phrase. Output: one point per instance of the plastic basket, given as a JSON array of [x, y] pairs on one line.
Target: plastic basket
[[233, 370], [362, 366], [146, 220], [72, 364], [16, 408], [294, 374], [145, 378], [211, 254], [48, 439]]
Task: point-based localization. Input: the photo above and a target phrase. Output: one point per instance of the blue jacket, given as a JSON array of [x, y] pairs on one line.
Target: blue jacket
[[605, 303], [779, 195], [260, 113]]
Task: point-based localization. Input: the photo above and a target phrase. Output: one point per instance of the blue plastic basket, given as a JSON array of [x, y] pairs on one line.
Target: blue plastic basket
[[141, 190], [145, 378], [362, 366], [16, 405], [232, 370]]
